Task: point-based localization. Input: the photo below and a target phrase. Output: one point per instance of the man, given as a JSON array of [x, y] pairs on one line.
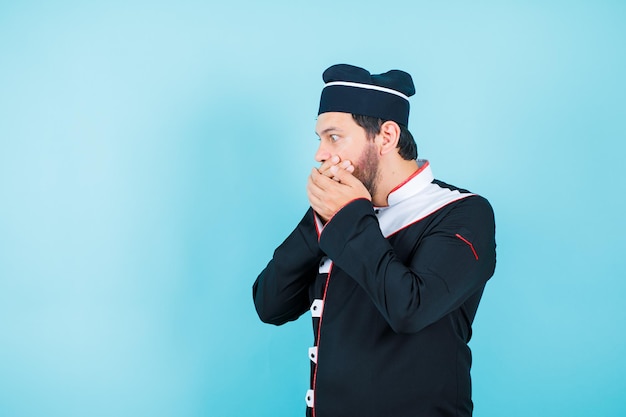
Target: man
[[390, 262]]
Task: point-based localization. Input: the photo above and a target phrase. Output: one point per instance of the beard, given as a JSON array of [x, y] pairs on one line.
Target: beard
[[366, 169]]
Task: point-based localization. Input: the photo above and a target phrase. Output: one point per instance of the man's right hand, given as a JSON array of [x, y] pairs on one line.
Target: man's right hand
[[325, 168]]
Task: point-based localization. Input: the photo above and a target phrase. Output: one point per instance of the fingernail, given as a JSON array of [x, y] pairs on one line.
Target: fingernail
[[334, 159], [350, 168], [345, 164]]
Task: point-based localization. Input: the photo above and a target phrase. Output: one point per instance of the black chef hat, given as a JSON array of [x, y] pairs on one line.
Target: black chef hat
[[351, 89]]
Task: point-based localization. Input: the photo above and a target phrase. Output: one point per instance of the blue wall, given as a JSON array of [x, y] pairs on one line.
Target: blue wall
[[152, 155]]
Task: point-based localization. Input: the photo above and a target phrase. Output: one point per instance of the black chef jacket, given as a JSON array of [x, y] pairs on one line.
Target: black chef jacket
[[393, 292]]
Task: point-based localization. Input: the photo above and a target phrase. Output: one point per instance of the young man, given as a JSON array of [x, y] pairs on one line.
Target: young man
[[390, 262]]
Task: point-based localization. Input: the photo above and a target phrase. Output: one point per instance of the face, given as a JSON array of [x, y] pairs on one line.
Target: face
[[340, 135]]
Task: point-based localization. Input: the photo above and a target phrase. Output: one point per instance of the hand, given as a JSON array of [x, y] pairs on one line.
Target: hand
[[325, 168], [331, 190]]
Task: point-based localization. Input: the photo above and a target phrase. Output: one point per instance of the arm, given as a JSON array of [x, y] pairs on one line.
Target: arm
[[444, 271], [281, 291]]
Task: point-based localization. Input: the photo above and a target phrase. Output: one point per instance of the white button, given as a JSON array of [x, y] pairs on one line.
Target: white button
[[309, 398], [325, 265], [313, 354], [317, 307]]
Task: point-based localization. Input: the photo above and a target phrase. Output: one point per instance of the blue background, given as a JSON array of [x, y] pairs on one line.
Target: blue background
[[153, 154]]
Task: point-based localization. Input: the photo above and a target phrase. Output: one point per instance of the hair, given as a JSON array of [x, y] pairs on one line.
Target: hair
[[407, 148]]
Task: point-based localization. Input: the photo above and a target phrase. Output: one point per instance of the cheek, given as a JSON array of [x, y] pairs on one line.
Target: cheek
[[346, 152]]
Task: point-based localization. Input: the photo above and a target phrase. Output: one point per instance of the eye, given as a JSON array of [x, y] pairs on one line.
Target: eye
[[334, 138]]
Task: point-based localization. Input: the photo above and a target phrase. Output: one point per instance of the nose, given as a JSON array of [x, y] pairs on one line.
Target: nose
[[322, 154]]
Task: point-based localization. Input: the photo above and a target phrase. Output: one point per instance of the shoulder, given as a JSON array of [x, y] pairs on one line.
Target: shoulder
[[467, 205]]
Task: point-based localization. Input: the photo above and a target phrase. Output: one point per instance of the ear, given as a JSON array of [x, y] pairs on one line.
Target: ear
[[389, 136]]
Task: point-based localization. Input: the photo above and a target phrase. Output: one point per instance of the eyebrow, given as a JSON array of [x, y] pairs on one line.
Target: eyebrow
[[327, 130]]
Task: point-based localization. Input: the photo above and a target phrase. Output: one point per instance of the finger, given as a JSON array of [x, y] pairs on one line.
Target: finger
[[314, 194], [344, 175], [313, 198], [313, 185], [323, 182], [348, 167], [323, 169]]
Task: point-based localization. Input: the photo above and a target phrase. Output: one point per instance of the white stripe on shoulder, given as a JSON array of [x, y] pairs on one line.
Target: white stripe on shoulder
[[413, 209]]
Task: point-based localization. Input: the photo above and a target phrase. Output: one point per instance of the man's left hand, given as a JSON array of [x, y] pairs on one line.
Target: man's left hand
[[329, 195]]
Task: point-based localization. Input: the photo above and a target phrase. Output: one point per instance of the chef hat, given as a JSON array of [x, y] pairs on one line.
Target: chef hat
[[351, 89]]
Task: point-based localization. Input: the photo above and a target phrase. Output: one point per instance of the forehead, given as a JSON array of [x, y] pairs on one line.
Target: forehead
[[334, 120]]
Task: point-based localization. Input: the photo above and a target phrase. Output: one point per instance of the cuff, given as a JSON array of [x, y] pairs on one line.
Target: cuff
[[345, 224]]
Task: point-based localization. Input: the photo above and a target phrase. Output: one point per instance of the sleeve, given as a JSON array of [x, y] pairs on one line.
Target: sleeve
[[280, 292], [452, 261]]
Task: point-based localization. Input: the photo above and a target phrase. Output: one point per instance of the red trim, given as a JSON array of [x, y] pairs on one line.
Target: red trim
[[319, 232], [469, 243], [413, 175], [319, 334], [319, 235]]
